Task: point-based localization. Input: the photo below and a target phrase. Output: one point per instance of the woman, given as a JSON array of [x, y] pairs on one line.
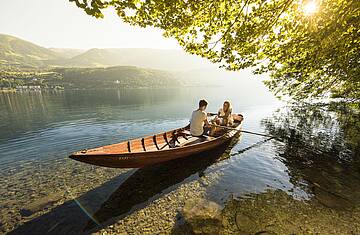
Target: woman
[[225, 117]]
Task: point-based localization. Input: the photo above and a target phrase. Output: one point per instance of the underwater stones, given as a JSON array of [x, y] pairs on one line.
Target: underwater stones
[[198, 207], [244, 222], [203, 216], [161, 216], [286, 215], [331, 200], [40, 204]]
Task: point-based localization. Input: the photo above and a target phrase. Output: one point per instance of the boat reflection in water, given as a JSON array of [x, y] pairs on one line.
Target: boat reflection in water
[[149, 183]]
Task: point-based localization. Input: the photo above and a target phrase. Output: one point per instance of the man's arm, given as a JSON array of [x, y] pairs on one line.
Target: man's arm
[[206, 121]]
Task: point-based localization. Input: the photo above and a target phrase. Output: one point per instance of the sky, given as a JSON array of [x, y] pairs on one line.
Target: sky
[[59, 23]]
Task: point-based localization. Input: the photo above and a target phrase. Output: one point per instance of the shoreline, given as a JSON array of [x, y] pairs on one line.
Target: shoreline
[[100, 88]]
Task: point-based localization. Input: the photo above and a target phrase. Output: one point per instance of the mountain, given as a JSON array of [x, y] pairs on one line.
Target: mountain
[[24, 63], [93, 58], [141, 57], [21, 53], [67, 52], [105, 68]]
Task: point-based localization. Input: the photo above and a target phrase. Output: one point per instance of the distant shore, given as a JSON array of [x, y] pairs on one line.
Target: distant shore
[[8, 90]]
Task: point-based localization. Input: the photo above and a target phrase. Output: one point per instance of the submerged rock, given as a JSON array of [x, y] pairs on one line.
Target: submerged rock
[[202, 216], [269, 212]]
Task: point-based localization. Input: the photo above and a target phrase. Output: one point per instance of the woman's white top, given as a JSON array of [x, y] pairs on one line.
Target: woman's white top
[[230, 118]]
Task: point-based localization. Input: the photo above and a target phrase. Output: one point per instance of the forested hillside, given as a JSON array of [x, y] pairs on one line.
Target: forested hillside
[[88, 78], [112, 77], [16, 52]]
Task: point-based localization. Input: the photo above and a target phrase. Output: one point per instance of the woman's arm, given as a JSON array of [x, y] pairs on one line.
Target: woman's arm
[[219, 113], [207, 122], [227, 114]]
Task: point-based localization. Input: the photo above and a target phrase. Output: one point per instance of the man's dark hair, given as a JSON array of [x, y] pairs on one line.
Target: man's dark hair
[[203, 103]]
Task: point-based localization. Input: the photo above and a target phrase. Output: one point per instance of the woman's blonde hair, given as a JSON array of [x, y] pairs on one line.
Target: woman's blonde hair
[[229, 108]]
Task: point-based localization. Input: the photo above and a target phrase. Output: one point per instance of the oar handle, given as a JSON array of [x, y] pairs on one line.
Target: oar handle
[[248, 132], [225, 127]]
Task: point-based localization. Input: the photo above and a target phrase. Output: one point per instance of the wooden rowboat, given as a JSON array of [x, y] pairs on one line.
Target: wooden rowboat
[[141, 152]]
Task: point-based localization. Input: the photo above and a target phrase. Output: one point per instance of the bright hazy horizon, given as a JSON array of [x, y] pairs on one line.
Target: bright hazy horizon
[[60, 24]]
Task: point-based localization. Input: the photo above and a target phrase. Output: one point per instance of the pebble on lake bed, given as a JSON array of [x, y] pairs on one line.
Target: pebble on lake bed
[[203, 216], [161, 215]]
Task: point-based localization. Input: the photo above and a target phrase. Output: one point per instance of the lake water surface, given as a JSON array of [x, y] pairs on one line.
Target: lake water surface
[[315, 158]]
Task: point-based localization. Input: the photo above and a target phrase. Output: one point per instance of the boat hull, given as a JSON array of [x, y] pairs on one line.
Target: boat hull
[[146, 158]]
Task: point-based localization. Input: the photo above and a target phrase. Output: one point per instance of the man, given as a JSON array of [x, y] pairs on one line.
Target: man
[[198, 119]]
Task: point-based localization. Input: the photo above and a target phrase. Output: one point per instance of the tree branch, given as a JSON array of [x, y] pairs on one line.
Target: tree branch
[[231, 25]]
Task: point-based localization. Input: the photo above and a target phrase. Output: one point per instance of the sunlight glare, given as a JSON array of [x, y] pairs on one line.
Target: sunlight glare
[[310, 8]]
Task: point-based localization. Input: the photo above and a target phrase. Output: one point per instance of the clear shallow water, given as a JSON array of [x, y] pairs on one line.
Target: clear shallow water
[[45, 126], [317, 157]]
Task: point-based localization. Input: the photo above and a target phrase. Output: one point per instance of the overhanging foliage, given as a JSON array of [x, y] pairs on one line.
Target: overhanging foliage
[[306, 55]]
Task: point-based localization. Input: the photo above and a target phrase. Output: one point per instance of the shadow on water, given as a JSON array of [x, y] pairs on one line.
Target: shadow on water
[[321, 150], [71, 216], [148, 184], [129, 192]]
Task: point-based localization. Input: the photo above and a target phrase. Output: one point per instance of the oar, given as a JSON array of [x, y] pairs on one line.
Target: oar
[[249, 132]]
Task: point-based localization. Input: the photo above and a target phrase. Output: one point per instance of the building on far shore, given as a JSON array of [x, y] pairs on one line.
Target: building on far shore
[[28, 87]]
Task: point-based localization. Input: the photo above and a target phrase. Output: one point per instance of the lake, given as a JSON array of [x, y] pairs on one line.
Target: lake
[[312, 165]]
